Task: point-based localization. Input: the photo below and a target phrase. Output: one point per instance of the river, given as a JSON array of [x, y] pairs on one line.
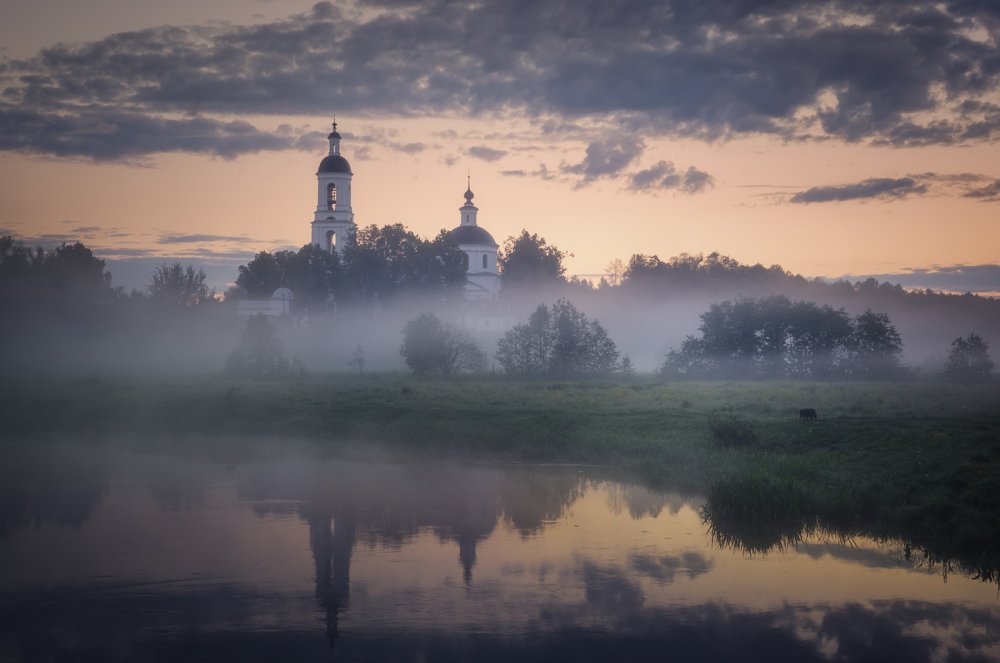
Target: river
[[111, 554]]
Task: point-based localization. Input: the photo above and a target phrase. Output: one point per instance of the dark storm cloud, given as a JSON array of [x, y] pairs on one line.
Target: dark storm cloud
[[897, 73], [664, 175], [877, 187], [486, 153]]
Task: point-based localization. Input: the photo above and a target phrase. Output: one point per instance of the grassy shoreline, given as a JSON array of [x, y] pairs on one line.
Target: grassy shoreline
[[914, 461]]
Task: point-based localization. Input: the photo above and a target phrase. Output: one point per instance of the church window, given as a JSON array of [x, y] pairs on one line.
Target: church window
[[484, 261], [331, 196]]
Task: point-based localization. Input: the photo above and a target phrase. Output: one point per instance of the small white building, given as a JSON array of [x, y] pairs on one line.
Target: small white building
[[482, 280], [280, 303]]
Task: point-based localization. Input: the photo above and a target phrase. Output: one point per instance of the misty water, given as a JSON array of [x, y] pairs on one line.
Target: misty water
[[108, 554]]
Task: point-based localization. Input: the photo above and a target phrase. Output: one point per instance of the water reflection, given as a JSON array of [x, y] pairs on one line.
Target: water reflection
[[109, 555]]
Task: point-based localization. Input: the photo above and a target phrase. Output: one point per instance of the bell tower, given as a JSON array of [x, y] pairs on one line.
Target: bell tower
[[334, 219]]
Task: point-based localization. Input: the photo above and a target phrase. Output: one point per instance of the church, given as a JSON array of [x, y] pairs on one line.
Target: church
[[333, 224]]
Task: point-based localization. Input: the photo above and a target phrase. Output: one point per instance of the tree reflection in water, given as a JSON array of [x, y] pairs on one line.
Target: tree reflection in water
[[614, 591]]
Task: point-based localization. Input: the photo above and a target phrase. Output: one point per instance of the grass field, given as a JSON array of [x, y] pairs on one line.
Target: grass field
[[914, 461]]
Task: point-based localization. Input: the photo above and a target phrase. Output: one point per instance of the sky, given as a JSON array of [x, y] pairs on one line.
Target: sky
[[835, 138]]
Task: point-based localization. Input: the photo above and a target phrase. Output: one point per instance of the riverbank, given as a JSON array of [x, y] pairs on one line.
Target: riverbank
[[915, 461]]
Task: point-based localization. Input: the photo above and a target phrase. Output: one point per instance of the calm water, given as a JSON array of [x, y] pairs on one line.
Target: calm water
[[108, 555]]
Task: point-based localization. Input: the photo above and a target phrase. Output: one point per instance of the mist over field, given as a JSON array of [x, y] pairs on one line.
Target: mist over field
[[89, 328]]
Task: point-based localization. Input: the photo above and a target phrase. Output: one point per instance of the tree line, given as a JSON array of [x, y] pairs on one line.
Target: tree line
[[68, 289], [380, 264], [774, 337]]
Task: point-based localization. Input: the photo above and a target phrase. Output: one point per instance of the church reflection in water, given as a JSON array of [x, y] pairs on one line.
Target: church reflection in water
[[111, 555], [391, 504]]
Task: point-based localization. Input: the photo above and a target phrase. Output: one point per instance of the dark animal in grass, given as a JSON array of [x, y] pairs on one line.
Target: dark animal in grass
[[807, 414]]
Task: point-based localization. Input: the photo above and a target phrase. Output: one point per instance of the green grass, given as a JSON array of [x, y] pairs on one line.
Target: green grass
[[916, 461]]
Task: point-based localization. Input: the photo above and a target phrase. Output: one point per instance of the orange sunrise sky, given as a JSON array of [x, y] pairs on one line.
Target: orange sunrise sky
[[835, 139]]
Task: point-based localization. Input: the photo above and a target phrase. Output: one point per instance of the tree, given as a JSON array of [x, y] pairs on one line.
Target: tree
[[261, 276], [260, 353], [875, 347], [969, 359], [60, 291], [177, 286], [615, 272], [431, 347], [313, 275], [528, 260], [527, 349], [579, 346], [558, 342], [380, 263], [357, 361], [773, 337]]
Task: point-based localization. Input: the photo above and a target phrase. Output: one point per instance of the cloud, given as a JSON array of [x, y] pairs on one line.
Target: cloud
[[982, 278], [987, 194], [607, 156], [181, 238], [486, 153], [878, 187], [408, 148], [110, 135], [663, 175], [891, 73], [542, 172]]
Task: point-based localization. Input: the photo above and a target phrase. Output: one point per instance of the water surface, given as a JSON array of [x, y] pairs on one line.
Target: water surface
[[107, 554]]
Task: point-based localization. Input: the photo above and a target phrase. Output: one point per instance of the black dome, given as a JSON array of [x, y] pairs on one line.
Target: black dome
[[334, 164], [471, 235]]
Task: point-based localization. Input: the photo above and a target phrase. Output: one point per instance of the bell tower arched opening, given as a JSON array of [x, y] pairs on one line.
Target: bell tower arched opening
[[331, 196]]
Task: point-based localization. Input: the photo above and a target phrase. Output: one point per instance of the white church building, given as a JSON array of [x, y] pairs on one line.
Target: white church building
[[333, 223]]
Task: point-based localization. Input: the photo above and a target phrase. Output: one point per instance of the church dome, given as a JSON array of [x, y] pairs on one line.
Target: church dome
[[472, 235], [334, 164]]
